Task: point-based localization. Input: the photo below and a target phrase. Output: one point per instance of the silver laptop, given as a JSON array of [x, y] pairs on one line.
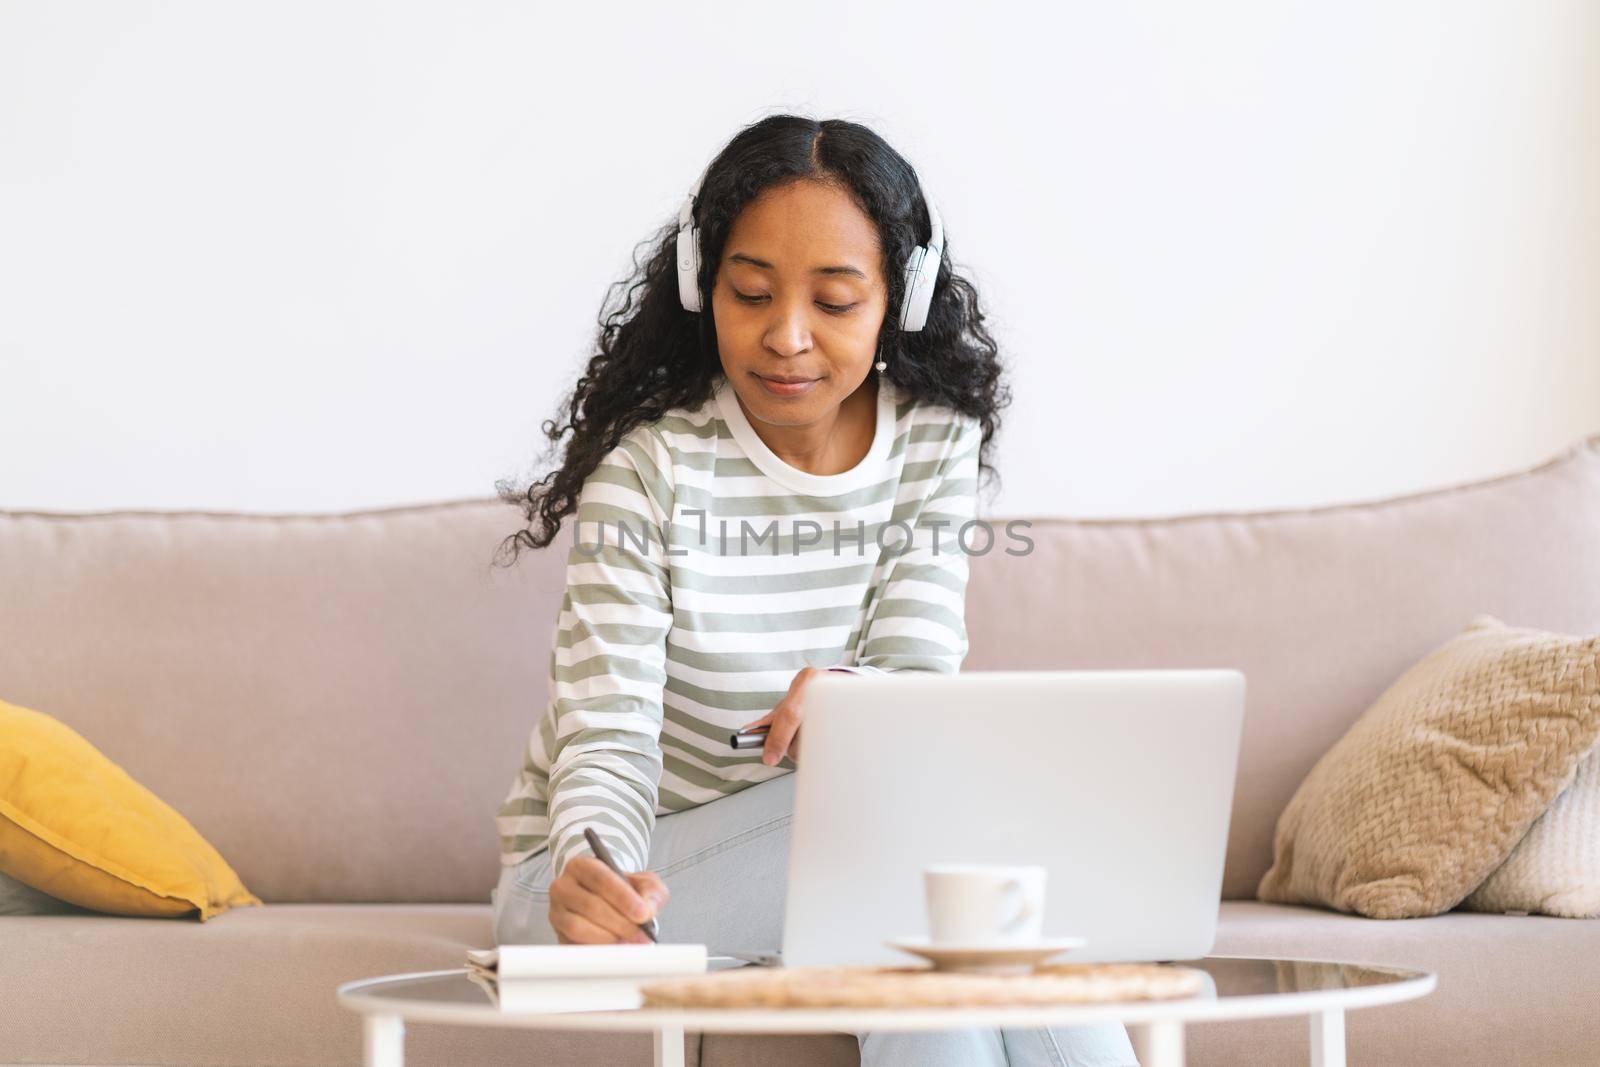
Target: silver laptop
[[1119, 783]]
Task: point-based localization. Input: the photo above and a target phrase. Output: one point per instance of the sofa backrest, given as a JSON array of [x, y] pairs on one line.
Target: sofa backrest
[[339, 702], [1321, 608]]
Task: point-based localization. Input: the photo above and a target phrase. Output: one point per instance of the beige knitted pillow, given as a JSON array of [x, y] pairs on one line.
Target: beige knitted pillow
[[1555, 869], [1435, 784]]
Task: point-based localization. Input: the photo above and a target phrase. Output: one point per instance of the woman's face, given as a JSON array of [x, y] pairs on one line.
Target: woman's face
[[798, 298]]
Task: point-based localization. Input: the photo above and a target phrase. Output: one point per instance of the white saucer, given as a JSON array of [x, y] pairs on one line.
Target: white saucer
[[988, 959]]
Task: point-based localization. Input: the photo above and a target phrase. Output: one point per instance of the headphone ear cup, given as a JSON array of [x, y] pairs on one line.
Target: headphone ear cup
[[689, 267], [912, 275], [922, 270]]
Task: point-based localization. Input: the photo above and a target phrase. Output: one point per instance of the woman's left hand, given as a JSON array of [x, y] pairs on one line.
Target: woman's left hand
[[783, 739]]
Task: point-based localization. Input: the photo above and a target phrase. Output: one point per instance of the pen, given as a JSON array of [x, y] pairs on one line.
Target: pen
[[602, 854], [754, 737]]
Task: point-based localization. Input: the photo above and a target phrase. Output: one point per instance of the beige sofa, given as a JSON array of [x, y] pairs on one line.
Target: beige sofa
[[338, 703]]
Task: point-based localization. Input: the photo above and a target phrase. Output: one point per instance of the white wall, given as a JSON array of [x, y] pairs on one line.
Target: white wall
[[308, 256]]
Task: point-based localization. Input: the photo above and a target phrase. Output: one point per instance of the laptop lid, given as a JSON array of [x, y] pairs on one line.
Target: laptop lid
[[1119, 783]]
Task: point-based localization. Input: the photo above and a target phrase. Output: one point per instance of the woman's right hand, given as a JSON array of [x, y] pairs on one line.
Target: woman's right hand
[[590, 904]]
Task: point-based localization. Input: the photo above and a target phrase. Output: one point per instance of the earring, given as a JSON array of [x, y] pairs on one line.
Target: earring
[[881, 365]]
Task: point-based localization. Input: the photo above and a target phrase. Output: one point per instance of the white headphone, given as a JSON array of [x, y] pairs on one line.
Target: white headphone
[[922, 268]]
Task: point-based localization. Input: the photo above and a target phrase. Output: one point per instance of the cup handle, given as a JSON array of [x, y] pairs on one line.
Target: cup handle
[[1018, 903]]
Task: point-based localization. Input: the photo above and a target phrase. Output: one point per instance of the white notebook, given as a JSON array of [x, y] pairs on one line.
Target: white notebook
[[546, 995], [587, 961], [557, 978]]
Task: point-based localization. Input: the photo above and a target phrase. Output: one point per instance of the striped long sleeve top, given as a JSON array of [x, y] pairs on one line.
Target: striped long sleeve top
[[703, 573]]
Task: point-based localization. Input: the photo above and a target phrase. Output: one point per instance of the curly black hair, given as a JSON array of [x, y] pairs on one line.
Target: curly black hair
[[652, 356]]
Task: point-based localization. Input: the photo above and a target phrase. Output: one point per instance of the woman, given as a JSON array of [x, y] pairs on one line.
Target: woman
[[764, 489]]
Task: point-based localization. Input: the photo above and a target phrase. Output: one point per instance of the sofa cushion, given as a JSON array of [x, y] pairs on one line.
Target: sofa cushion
[[336, 702], [75, 825], [1555, 869], [256, 986], [253, 988], [1512, 989], [1321, 608], [1436, 783]]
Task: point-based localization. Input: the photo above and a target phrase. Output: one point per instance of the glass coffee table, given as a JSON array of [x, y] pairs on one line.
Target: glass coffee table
[[1238, 988]]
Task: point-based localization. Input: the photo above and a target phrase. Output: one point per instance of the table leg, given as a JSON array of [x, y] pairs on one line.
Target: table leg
[[669, 1046], [1327, 1038], [385, 1037], [1158, 1044]]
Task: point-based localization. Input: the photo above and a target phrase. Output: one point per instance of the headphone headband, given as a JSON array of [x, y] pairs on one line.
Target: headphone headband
[[689, 248], [921, 270]]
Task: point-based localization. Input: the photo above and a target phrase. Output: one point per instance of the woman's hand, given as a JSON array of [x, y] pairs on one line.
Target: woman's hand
[[590, 904], [784, 736]]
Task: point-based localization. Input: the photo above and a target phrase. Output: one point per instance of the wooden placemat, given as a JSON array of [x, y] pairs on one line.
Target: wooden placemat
[[921, 987]]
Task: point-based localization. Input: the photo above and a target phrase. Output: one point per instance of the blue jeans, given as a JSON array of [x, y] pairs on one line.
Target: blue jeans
[[726, 865]]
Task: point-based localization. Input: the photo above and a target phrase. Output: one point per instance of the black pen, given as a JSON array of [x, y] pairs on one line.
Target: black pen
[[604, 856], [750, 737]]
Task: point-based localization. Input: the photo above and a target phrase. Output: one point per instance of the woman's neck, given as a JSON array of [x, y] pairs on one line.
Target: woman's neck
[[830, 445]]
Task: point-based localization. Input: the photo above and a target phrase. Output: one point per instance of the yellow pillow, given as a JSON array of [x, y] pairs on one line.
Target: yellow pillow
[[74, 824]]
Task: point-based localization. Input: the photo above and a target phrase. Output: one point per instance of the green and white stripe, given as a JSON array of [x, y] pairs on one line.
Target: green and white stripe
[[660, 652]]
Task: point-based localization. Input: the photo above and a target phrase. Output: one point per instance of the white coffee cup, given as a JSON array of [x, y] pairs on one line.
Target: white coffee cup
[[984, 905]]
